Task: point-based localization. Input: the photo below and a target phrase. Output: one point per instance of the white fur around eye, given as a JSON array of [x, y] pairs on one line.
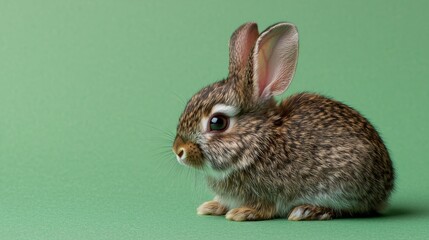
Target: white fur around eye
[[227, 110]]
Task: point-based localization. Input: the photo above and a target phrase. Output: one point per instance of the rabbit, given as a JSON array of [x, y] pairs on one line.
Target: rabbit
[[308, 157]]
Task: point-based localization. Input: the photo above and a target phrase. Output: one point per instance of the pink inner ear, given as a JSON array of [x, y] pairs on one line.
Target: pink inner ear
[[262, 72], [248, 43], [264, 53], [275, 60]]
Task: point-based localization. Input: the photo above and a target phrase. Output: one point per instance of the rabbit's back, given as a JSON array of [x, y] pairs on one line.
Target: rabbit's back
[[334, 155]]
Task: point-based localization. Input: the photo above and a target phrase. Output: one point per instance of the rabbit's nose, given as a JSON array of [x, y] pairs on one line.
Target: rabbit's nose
[[187, 153], [179, 150], [181, 155]]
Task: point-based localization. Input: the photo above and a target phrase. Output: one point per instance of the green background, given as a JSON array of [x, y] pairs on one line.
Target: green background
[[88, 90]]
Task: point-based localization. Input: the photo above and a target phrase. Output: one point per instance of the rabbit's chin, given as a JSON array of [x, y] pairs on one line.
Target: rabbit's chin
[[192, 163], [216, 174]]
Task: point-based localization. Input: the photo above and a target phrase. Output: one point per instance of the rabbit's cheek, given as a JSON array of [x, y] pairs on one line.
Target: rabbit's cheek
[[194, 158]]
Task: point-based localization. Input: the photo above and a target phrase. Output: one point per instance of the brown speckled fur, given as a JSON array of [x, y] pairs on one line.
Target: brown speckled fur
[[307, 151]]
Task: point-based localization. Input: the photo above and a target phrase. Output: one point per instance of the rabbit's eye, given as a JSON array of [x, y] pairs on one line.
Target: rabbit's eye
[[218, 123]]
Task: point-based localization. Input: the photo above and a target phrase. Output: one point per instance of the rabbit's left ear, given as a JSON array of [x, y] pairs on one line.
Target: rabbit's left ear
[[240, 47], [274, 60]]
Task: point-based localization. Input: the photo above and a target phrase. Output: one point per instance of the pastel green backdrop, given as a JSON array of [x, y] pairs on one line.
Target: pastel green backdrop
[[86, 86]]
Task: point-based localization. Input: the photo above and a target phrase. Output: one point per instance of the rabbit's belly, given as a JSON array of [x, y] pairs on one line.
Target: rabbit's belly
[[230, 202], [333, 200], [283, 208]]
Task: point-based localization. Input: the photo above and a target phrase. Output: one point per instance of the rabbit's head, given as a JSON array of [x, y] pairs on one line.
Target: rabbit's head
[[227, 125]]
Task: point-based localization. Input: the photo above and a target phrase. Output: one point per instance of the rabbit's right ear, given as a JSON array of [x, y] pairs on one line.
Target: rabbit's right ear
[[240, 47], [274, 60]]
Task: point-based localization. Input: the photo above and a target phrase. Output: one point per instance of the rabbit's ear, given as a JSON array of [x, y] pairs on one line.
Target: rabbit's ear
[[240, 47], [274, 60]]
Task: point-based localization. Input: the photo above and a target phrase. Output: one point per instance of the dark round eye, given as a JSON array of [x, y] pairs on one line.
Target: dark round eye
[[218, 123]]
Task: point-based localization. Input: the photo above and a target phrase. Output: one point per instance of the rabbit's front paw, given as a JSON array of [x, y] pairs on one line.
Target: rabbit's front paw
[[211, 208], [247, 214], [309, 212]]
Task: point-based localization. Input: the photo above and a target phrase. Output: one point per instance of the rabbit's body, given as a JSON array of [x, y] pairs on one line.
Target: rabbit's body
[[308, 157], [326, 154]]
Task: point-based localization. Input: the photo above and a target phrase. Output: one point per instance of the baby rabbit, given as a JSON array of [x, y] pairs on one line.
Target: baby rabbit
[[308, 157]]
